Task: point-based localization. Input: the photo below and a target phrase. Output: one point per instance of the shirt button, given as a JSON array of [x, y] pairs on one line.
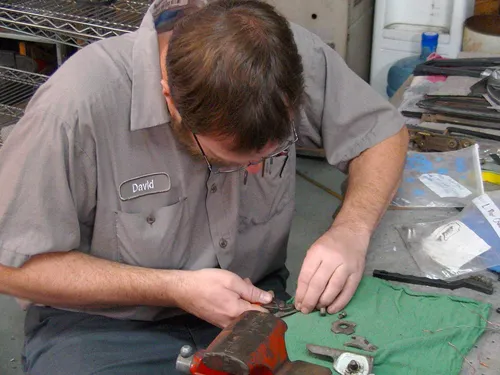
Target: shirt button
[[150, 219], [223, 243], [213, 189]]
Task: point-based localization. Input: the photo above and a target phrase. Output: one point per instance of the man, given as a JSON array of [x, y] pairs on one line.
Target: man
[[153, 176]]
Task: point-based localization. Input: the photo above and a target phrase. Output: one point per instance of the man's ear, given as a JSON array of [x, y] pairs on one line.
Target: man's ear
[[165, 88], [170, 103]]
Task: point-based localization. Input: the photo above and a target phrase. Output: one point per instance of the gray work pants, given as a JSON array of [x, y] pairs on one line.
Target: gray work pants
[[67, 343]]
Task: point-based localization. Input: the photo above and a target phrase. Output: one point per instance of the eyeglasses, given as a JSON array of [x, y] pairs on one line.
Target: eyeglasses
[[280, 151]]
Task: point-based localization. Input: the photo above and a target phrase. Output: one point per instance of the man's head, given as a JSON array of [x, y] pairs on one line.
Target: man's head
[[234, 79]]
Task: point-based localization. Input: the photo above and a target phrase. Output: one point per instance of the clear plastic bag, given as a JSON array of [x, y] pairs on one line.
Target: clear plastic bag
[[465, 244], [440, 179]]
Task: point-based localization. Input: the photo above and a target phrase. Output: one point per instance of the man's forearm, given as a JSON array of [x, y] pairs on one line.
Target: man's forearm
[[78, 280], [374, 177]]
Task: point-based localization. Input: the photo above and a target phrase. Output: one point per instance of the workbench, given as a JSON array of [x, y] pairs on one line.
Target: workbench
[[388, 252]]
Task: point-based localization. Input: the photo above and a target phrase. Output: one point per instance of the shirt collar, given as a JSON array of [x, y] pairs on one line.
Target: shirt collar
[[148, 107]]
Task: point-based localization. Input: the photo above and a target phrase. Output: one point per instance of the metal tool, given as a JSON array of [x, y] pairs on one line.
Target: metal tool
[[425, 141], [252, 345], [344, 362], [454, 130], [361, 343], [280, 308], [457, 120], [343, 327], [475, 283], [464, 67], [462, 107]]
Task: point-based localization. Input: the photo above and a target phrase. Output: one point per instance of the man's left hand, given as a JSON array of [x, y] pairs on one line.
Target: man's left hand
[[332, 270]]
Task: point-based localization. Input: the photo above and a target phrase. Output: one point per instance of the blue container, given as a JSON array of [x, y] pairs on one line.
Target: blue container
[[403, 68]]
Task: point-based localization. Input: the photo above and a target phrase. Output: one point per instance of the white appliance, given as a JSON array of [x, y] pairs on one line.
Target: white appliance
[[398, 26], [344, 24]]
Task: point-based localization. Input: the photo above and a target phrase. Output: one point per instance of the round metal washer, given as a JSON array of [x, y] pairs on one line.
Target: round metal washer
[[343, 327]]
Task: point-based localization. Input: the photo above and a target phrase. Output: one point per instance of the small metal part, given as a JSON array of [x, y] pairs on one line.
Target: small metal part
[[186, 351], [424, 141], [343, 327], [280, 308], [353, 366], [185, 359], [342, 315], [361, 343], [345, 362], [322, 311]]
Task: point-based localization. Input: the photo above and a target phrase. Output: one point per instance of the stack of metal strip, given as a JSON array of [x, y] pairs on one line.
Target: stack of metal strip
[[480, 109]]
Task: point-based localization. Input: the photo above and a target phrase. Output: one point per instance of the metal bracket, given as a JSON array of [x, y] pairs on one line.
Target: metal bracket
[[343, 327], [345, 363], [361, 343]]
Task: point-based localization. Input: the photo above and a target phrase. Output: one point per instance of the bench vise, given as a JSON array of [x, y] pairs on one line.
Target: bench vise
[[252, 345]]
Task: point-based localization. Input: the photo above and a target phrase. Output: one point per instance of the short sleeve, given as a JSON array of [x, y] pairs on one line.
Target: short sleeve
[[47, 189], [341, 114]]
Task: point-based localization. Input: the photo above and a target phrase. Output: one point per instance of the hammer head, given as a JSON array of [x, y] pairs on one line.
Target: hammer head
[[252, 345]]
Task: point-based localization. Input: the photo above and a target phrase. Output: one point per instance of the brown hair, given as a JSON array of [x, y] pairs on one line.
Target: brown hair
[[234, 71]]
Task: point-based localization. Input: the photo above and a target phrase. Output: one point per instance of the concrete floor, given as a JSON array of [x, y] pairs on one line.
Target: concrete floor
[[11, 337]]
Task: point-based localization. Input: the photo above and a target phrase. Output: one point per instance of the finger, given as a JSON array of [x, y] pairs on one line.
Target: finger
[[251, 293], [247, 306], [345, 296], [248, 281], [335, 286], [309, 268], [316, 288]]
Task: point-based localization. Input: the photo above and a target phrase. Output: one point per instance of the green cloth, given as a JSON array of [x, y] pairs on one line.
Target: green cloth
[[411, 330]]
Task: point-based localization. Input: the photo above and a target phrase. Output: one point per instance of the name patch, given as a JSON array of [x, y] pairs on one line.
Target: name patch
[[145, 185]]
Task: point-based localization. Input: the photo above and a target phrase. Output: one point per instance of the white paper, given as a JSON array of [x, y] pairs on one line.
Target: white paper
[[489, 210], [454, 245], [444, 186]]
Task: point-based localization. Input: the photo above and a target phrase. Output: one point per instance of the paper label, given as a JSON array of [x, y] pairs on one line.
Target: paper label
[[454, 245], [489, 210], [444, 186]]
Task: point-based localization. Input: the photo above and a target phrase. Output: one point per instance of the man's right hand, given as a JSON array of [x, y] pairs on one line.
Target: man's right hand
[[218, 296]]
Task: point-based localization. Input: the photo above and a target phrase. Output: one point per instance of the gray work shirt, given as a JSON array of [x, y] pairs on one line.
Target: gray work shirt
[[94, 166]]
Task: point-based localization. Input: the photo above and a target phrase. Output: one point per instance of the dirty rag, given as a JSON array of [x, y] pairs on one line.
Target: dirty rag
[[416, 333]]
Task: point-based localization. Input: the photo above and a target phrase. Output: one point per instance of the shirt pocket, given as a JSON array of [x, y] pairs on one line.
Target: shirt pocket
[[153, 238], [265, 195]]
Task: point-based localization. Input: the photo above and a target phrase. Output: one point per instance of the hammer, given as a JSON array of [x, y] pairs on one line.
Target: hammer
[[254, 344]]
